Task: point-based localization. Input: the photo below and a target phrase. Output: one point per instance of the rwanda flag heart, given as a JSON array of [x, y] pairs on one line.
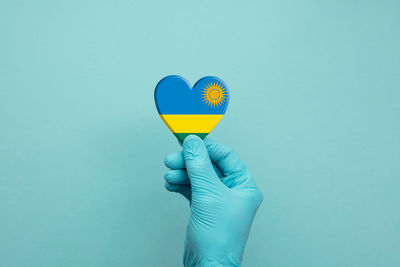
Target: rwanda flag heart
[[187, 110]]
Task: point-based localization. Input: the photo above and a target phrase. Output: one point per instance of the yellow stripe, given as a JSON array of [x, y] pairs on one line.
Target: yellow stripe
[[191, 123]]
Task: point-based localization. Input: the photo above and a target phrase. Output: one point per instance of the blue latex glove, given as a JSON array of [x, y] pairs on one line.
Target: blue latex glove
[[223, 201]]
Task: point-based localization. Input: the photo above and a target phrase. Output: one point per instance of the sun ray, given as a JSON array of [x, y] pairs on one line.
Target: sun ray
[[214, 94]]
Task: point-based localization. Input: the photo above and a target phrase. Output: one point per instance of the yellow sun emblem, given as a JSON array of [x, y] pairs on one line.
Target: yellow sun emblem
[[214, 94]]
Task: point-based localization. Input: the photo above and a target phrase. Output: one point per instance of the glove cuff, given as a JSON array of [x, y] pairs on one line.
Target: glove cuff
[[192, 260]]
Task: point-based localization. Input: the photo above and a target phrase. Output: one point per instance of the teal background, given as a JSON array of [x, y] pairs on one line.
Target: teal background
[[314, 112]]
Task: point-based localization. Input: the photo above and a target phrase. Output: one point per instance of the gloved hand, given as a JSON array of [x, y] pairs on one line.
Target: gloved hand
[[223, 201]]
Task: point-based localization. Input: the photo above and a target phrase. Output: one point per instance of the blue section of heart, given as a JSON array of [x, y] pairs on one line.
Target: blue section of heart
[[173, 95]]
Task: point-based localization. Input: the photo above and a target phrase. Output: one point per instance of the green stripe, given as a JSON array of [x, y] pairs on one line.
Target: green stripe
[[181, 136]]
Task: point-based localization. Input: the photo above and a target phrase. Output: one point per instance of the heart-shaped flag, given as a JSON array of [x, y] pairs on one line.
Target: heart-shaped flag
[[187, 110]]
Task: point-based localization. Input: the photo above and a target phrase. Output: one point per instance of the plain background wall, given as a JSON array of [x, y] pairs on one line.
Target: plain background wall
[[314, 112]]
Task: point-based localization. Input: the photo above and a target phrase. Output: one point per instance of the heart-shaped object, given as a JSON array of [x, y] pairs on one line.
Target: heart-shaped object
[[187, 110]]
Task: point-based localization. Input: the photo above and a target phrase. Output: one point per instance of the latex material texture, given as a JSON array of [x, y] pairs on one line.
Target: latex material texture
[[223, 201]]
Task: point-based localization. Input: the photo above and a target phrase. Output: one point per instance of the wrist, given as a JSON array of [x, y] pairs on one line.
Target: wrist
[[195, 260], [203, 249]]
